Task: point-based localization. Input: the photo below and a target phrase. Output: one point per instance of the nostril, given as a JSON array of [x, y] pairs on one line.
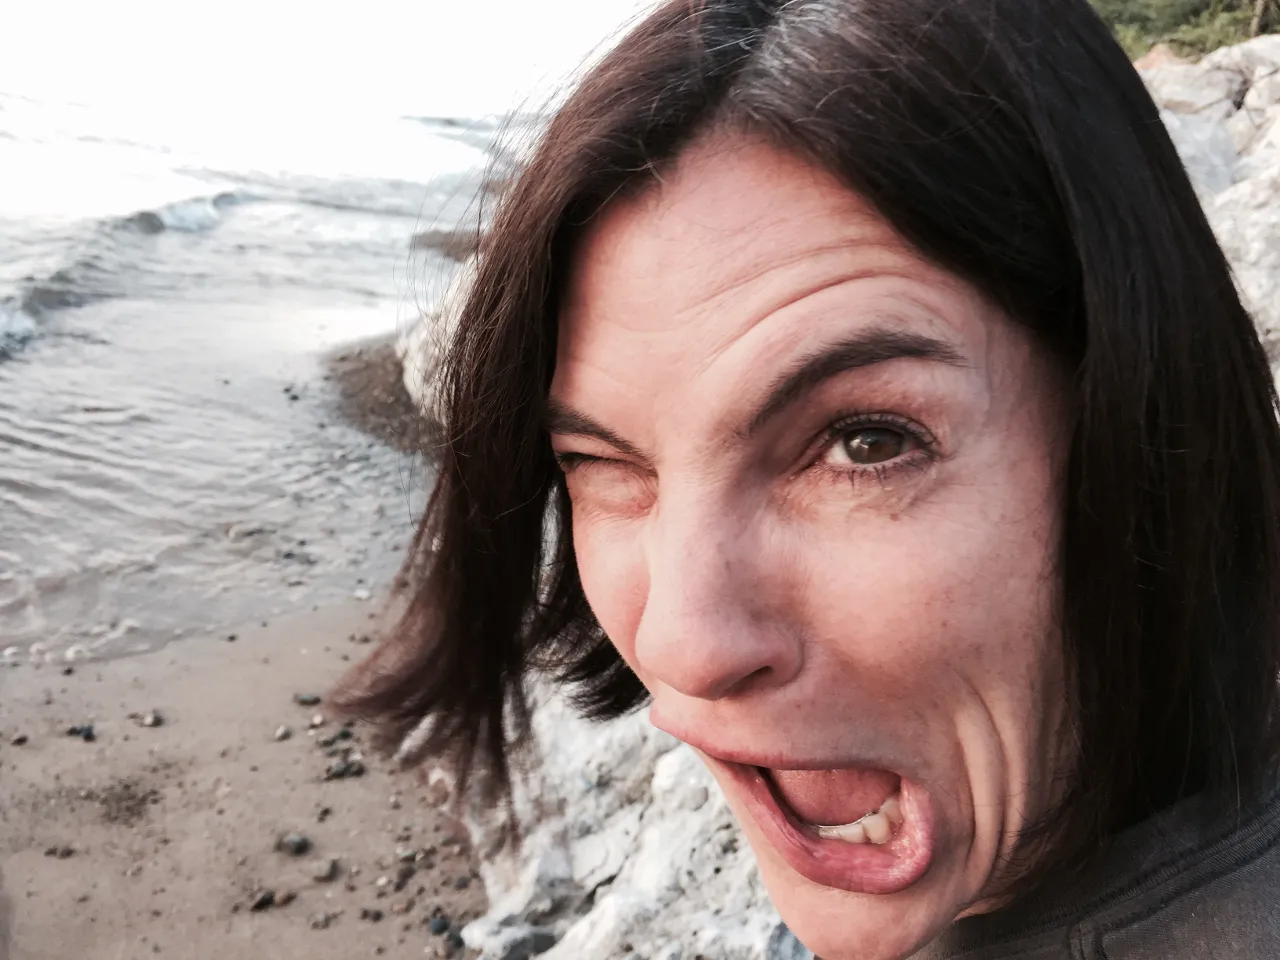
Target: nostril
[[757, 678]]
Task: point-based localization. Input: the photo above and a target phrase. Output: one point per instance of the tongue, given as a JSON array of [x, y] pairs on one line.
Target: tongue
[[835, 797]]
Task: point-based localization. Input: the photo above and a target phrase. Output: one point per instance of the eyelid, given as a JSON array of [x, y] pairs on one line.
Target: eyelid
[[570, 459]]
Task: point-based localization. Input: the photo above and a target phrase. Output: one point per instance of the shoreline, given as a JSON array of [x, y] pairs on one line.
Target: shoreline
[[158, 832], [371, 396], [162, 839]]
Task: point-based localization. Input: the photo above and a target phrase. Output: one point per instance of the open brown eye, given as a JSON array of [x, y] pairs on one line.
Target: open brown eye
[[872, 445]]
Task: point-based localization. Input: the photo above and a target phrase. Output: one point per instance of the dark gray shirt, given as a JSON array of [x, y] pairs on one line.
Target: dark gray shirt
[[1189, 883]]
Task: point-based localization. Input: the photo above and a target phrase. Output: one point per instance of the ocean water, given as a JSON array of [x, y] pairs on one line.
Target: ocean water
[[169, 459]]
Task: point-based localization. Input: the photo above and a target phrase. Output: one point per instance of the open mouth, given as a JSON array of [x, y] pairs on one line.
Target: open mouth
[[859, 829]]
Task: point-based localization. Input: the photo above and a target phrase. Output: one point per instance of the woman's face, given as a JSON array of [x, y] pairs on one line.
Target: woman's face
[[815, 487]]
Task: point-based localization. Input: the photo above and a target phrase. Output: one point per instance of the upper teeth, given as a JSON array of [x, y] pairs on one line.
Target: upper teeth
[[875, 827]]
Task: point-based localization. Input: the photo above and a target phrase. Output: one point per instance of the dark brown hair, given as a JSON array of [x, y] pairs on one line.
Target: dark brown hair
[[1012, 143]]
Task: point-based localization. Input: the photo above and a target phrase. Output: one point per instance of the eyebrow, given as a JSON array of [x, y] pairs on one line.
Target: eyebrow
[[865, 349], [563, 419]]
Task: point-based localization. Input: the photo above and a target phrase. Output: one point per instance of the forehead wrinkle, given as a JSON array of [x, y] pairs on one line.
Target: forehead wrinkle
[[758, 313]]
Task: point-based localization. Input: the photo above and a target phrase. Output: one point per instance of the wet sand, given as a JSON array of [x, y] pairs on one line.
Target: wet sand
[[160, 840]]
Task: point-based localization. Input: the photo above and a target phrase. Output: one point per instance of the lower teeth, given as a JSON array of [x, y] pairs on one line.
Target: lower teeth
[[876, 828]]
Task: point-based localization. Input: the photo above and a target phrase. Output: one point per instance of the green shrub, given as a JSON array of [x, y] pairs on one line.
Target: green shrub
[[1191, 27]]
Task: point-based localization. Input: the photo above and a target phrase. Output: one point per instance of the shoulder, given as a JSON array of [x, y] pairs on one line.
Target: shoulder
[[1220, 908]]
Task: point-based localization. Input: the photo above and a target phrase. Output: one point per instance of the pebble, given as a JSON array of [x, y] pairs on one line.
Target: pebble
[[317, 721], [61, 853], [306, 699], [404, 873], [20, 740], [153, 719], [283, 732], [395, 803], [322, 921], [263, 900], [439, 925], [327, 871], [344, 767], [361, 593], [324, 813], [462, 883], [371, 914], [84, 731], [294, 844]]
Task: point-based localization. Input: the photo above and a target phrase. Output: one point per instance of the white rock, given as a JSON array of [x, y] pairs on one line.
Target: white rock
[[1206, 149], [421, 347], [1195, 88]]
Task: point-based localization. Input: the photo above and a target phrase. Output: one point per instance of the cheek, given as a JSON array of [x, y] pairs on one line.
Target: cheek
[[614, 574], [958, 591]]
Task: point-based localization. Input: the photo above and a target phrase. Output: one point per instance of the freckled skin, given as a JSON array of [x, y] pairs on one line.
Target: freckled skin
[[777, 597]]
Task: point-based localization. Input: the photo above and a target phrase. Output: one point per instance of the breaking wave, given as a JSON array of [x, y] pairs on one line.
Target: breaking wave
[[192, 215]]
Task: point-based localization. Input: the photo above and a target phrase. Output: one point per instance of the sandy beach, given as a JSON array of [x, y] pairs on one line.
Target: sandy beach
[[158, 832], [163, 840]]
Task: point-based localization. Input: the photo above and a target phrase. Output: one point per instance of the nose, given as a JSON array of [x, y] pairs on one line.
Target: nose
[[713, 625]]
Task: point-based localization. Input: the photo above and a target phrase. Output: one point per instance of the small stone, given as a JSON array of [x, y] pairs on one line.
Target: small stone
[[286, 898], [461, 883], [327, 871], [361, 593], [323, 814], [371, 914], [283, 732], [323, 921], [294, 844], [153, 719], [84, 731], [317, 721], [68, 671], [21, 740], [406, 854], [439, 925], [455, 942], [306, 699], [404, 873], [263, 900], [395, 803], [232, 638]]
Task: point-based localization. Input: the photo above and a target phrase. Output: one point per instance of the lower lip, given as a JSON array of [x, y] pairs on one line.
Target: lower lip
[[856, 867]]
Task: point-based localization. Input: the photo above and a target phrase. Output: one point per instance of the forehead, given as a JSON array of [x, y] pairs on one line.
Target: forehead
[[742, 257]]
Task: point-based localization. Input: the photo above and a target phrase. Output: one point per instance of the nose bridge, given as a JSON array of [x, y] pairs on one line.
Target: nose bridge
[[709, 629]]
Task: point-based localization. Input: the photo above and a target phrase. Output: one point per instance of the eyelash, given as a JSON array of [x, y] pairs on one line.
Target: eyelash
[[569, 461]]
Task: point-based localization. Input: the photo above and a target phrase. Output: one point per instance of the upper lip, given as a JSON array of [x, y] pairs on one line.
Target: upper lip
[[769, 761]]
